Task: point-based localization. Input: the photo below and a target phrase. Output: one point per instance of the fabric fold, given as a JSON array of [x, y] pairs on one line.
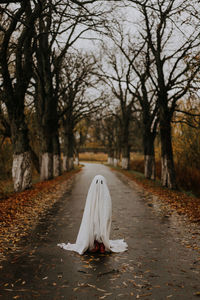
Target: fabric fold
[[96, 221]]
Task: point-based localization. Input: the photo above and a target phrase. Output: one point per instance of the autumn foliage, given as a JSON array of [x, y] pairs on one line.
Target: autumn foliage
[[21, 211]]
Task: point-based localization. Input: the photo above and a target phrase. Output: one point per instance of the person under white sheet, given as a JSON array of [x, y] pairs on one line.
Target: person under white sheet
[[95, 227]]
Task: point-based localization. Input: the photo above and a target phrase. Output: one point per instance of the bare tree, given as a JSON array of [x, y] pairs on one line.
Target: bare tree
[[139, 81], [76, 102], [114, 73], [17, 35]]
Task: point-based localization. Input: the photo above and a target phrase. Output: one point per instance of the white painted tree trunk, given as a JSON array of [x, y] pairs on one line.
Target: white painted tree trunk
[[46, 170], [76, 162], [167, 174], [70, 163], [56, 165], [22, 171], [64, 163], [110, 160], [125, 163], [149, 166], [115, 162]]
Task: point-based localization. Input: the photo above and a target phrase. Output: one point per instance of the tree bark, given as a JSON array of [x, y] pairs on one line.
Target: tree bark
[[149, 155], [110, 156], [125, 156], [22, 171], [168, 178], [68, 149], [45, 99], [56, 155], [46, 169], [35, 160], [116, 157], [125, 140], [76, 161], [16, 71], [22, 164], [46, 148], [110, 160]]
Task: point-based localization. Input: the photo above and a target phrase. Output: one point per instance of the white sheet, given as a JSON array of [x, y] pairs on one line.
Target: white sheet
[[96, 221]]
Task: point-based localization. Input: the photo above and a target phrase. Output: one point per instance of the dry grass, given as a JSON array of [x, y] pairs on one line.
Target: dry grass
[[90, 156]]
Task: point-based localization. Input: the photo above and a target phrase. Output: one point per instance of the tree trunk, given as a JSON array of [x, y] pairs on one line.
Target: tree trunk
[[22, 164], [76, 157], [149, 155], [76, 162], [65, 163], [46, 169], [125, 141], [149, 167], [68, 155], [116, 157], [168, 178], [110, 160], [22, 171], [68, 163], [125, 157], [56, 155], [35, 160], [110, 156], [56, 165]]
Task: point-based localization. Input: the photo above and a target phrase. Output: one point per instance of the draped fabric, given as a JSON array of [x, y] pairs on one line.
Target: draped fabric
[[96, 221]]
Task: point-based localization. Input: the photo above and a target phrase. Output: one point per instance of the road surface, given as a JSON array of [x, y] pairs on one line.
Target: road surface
[[160, 262]]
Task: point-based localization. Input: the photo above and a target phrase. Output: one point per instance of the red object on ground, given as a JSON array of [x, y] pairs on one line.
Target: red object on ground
[[96, 248], [102, 248]]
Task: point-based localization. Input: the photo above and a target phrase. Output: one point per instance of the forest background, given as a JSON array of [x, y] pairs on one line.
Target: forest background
[[114, 76]]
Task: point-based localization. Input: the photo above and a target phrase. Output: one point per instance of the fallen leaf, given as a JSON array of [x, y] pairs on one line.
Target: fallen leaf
[[101, 290]]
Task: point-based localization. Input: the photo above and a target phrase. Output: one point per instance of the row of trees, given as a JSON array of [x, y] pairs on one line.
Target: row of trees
[[147, 65], [152, 70], [39, 73]]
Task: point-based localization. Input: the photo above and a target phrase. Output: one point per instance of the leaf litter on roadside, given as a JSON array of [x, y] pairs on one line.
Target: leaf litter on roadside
[[21, 211]]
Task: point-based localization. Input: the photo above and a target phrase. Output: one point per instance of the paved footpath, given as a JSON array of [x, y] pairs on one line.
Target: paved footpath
[[160, 262]]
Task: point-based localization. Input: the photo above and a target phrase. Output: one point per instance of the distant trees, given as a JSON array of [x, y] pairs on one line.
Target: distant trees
[[75, 102], [107, 133], [140, 84], [115, 75]]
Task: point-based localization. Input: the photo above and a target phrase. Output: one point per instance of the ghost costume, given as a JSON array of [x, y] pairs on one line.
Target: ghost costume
[[96, 221]]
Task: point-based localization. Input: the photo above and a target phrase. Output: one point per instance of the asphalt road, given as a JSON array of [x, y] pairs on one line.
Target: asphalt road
[[161, 261]]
